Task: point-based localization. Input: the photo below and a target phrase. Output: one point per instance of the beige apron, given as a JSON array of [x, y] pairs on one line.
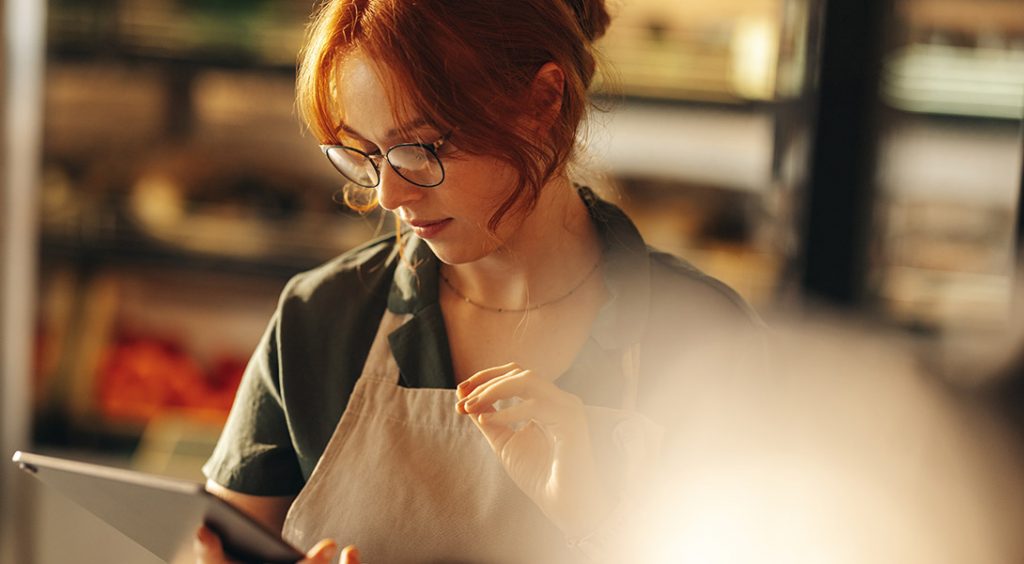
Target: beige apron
[[407, 479]]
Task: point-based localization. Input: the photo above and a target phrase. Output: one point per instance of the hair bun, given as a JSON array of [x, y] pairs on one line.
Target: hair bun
[[592, 16]]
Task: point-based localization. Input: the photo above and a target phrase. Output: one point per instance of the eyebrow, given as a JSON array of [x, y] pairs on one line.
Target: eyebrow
[[392, 133]]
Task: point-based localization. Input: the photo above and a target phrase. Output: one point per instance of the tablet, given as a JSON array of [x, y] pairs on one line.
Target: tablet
[[161, 514]]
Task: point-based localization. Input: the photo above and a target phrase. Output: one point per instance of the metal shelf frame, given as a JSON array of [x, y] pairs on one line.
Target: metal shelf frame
[[24, 23]]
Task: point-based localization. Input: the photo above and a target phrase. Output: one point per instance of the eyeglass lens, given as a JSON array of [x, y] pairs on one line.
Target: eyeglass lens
[[414, 163]]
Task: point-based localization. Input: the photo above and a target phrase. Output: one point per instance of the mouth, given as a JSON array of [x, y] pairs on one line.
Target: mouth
[[426, 229]]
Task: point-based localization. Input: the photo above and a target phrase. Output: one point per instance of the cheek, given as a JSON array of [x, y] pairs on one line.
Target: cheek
[[480, 183]]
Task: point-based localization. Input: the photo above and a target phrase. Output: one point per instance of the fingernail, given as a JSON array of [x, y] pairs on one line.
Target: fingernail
[[331, 552]]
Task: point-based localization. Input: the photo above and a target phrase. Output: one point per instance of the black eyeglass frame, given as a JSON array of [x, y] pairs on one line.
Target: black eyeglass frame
[[374, 160]]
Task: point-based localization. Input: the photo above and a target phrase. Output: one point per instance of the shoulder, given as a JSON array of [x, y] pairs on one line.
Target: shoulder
[[357, 275], [678, 285], [703, 340], [339, 296]]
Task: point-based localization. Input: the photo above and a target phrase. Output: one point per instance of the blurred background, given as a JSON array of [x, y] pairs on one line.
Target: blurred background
[[158, 192]]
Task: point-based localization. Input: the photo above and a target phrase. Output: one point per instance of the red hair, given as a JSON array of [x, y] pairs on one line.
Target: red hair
[[462, 65]]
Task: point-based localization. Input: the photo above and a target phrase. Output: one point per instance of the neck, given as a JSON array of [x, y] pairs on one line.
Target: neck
[[553, 247]]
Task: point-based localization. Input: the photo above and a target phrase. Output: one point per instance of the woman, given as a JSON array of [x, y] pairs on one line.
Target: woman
[[481, 385]]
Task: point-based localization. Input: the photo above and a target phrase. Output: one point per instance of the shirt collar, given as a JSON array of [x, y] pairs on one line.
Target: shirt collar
[[626, 272], [627, 275], [415, 282]]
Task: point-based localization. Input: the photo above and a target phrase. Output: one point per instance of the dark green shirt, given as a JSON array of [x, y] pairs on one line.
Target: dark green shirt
[[297, 383]]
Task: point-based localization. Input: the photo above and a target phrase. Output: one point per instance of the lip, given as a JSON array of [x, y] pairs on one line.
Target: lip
[[427, 229]]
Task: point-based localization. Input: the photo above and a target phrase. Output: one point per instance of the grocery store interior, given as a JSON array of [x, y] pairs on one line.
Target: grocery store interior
[[858, 161]]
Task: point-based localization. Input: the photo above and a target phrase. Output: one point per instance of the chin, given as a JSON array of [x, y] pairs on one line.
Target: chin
[[455, 253]]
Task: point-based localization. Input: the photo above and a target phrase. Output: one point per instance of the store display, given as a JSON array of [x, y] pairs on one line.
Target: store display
[[141, 377]]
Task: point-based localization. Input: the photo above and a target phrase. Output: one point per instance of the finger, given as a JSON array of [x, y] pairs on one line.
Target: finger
[[322, 553], [524, 385], [349, 555], [559, 420], [482, 384], [512, 415], [471, 383], [207, 547]]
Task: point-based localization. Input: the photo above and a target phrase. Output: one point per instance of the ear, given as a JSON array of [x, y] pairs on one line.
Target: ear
[[546, 94]]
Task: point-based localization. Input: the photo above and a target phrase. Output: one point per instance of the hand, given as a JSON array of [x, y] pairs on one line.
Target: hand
[[543, 441], [208, 550]]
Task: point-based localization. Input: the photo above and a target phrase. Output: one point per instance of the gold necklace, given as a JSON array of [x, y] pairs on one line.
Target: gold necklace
[[525, 309]]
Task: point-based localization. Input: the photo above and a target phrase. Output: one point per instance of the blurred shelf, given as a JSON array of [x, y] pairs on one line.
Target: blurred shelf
[[946, 159], [163, 225], [963, 81], [724, 147], [112, 252], [946, 299], [973, 17], [726, 52], [257, 34], [55, 431], [123, 244]]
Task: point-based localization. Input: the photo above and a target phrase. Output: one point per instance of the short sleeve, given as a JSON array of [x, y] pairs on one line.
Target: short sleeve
[[255, 454]]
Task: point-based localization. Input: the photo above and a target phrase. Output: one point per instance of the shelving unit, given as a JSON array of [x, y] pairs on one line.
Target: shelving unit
[[177, 231], [950, 160]]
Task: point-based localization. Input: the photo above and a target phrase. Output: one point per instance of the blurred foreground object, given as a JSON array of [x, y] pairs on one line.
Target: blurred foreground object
[[851, 452]]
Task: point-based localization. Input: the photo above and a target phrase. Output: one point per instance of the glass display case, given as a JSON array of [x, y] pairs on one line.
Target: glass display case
[[950, 158]]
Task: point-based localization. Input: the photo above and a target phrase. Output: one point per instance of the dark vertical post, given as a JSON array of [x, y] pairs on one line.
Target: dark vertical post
[[842, 173]]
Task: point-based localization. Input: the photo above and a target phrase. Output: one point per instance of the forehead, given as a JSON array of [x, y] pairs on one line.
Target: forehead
[[369, 103]]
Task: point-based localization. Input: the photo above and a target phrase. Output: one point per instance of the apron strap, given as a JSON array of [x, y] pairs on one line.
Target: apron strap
[[380, 362]]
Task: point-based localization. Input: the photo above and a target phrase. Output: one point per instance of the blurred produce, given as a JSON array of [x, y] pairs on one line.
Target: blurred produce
[[141, 377]]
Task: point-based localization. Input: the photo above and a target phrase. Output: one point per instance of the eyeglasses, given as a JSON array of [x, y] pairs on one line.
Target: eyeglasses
[[416, 162]]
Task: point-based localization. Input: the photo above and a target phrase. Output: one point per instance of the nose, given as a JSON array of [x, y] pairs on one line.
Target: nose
[[394, 191]]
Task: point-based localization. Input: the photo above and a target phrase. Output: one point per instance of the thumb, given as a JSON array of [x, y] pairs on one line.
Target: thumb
[[207, 546], [349, 555], [322, 553]]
